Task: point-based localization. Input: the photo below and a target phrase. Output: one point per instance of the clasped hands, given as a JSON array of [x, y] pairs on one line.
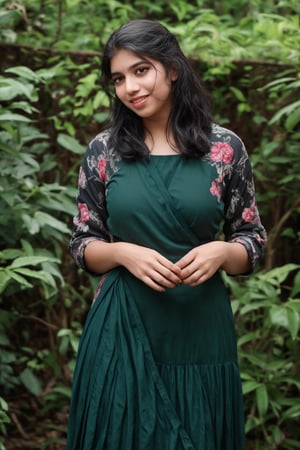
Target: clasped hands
[[159, 273]]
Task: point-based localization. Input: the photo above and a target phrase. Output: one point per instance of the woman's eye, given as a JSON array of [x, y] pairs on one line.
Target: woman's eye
[[142, 70], [117, 80]]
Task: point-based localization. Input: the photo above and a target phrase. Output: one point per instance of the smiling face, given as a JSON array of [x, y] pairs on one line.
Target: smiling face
[[142, 85]]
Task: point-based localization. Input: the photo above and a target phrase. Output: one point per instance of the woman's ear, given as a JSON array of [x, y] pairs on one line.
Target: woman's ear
[[173, 74]]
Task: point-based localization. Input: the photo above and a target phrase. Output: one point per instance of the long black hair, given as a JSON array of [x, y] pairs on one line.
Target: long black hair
[[190, 119]]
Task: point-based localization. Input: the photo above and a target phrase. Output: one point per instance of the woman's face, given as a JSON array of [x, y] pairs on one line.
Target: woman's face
[[142, 85]]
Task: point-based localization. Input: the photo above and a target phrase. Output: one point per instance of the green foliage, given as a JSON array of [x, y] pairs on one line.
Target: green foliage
[[34, 219], [27, 203], [215, 31], [276, 159], [79, 100], [268, 319], [248, 54], [4, 420]]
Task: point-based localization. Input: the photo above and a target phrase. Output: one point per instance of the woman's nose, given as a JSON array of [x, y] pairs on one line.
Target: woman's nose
[[131, 84]]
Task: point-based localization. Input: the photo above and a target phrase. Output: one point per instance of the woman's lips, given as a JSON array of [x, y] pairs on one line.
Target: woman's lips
[[137, 102]]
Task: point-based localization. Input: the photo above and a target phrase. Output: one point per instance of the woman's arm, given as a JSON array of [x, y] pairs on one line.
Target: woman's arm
[[202, 262], [91, 244], [245, 237], [144, 263]]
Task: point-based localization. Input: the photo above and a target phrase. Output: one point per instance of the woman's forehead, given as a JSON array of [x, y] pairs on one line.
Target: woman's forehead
[[123, 60]]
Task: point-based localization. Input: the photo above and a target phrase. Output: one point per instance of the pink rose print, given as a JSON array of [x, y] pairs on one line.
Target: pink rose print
[[221, 152], [215, 190], [249, 214], [84, 212], [102, 169]]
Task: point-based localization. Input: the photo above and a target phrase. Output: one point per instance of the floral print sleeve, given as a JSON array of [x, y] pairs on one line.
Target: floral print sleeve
[[235, 186], [97, 167]]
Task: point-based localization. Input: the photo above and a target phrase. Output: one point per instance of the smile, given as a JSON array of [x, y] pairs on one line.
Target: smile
[[139, 101]]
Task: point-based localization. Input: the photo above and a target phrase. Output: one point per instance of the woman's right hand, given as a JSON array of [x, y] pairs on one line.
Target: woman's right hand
[[144, 263], [149, 266]]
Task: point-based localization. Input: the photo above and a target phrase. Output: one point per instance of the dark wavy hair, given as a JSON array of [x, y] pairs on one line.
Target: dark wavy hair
[[190, 119]]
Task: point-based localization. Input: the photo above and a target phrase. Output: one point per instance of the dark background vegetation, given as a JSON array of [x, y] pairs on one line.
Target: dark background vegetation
[[248, 54]]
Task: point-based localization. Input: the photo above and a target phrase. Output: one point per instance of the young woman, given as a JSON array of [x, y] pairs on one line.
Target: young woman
[[157, 364]]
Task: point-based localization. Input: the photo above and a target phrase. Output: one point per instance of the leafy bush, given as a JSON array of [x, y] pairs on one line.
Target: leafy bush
[[248, 54], [38, 320], [267, 313], [34, 227]]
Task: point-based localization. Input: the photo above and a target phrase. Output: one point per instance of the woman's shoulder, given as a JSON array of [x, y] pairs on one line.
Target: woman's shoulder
[[224, 140], [100, 155], [99, 145], [222, 134]]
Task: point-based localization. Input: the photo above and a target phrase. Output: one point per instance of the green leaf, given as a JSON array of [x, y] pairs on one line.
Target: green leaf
[[291, 413], [31, 224], [30, 381], [64, 332], [11, 117], [10, 253], [30, 261], [277, 435], [4, 280], [285, 111], [279, 274], [7, 93], [248, 337], [250, 386], [63, 345], [45, 219], [63, 390], [278, 316], [53, 270], [27, 247], [39, 275], [296, 287], [23, 72], [24, 106], [262, 400], [3, 404], [287, 316], [292, 120], [70, 143], [20, 280], [254, 306], [238, 94], [279, 159], [293, 320], [291, 444], [6, 15], [14, 88], [252, 423]]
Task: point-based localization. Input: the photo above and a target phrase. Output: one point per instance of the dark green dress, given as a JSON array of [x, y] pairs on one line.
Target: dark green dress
[[157, 371]]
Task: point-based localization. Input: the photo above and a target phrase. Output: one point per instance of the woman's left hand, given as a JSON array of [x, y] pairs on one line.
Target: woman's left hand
[[202, 262]]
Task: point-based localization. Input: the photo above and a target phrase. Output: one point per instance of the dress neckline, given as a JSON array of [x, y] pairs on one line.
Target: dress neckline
[[165, 155]]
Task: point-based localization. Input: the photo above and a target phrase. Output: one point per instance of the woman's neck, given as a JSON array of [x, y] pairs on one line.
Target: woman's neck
[[159, 142]]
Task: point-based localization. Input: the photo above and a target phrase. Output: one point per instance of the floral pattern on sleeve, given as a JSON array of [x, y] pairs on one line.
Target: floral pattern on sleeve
[[99, 163], [235, 186]]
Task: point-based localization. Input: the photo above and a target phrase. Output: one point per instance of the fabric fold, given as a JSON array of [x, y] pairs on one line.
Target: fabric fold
[[169, 205], [125, 389]]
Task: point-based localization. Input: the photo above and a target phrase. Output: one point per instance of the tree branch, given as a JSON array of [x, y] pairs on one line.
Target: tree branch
[[88, 54], [52, 51], [275, 232]]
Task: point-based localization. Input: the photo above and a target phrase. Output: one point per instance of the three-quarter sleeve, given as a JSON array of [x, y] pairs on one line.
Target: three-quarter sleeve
[[242, 221], [91, 217]]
